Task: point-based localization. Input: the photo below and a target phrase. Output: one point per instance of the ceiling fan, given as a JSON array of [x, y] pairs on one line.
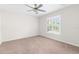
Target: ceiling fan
[[35, 8]]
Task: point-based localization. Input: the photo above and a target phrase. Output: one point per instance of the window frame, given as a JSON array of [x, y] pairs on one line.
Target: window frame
[[51, 18]]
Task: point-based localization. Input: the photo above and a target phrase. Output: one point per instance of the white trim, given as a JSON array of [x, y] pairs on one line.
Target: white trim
[[58, 33], [17, 38], [54, 32], [71, 43]]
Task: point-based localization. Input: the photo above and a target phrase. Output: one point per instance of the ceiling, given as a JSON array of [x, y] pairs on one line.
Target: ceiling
[[22, 9]]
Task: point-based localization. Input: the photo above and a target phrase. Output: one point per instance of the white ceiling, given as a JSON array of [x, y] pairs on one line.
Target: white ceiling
[[22, 9]]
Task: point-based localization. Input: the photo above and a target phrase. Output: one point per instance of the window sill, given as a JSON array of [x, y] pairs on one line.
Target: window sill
[[57, 33]]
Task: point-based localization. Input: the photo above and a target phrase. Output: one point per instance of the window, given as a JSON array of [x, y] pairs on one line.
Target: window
[[54, 25]]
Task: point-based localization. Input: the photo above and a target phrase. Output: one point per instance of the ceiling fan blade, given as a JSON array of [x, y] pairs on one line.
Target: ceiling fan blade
[[40, 6], [28, 6], [29, 10], [41, 10], [35, 11], [35, 5]]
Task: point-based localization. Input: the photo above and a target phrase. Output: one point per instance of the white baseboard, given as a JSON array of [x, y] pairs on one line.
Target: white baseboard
[[17, 38], [61, 41]]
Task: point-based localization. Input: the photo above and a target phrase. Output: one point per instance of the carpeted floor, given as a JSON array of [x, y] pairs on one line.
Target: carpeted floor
[[37, 45]]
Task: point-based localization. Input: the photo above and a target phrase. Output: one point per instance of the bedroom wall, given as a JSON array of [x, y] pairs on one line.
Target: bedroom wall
[[0, 28], [15, 26], [69, 25]]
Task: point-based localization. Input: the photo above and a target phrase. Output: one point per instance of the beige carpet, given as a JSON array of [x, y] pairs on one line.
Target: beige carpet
[[37, 45]]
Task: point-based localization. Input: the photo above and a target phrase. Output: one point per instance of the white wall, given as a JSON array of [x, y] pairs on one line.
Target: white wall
[[70, 25], [15, 26], [0, 28]]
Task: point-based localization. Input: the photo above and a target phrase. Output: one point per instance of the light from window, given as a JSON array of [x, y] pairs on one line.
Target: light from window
[[54, 25]]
